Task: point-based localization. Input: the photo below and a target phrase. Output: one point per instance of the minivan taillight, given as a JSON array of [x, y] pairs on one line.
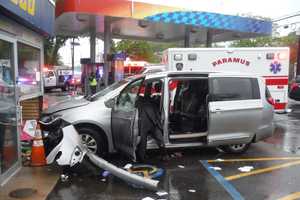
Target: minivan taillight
[[294, 86], [269, 98], [271, 101]]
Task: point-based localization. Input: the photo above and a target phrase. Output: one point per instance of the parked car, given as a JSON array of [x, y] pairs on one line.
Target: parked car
[[57, 79], [224, 110], [294, 92]]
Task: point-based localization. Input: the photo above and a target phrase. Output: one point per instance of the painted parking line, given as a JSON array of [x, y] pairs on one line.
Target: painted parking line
[[264, 170], [226, 185], [253, 159], [293, 196]]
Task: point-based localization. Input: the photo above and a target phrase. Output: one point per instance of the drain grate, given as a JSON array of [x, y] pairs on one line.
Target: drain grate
[[22, 193]]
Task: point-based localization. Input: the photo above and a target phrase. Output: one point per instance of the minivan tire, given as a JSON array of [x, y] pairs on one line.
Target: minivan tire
[[91, 134], [236, 148]]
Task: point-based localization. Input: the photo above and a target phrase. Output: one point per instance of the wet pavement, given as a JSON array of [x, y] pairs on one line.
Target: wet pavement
[[205, 173]]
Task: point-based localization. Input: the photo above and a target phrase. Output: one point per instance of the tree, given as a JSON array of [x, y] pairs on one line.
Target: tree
[[51, 48], [141, 50], [287, 41]]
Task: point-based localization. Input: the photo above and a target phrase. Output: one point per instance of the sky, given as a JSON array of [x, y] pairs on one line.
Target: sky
[[265, 8]]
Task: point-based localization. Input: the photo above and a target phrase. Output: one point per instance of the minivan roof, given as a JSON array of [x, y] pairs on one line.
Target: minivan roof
[[189, 73]]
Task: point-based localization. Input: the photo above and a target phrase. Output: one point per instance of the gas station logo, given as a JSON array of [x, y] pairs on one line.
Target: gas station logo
[[27, 5], [231, 60], [275, 67]]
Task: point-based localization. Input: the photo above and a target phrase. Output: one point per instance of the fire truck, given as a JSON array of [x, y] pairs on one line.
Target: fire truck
[[272, 63]]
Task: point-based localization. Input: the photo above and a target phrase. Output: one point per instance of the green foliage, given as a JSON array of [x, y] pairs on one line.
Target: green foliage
[[51, 48], [287, 41], [141, 50], [266, 41]]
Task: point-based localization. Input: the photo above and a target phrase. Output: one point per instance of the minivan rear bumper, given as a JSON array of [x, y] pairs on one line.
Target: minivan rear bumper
[[265, 132]]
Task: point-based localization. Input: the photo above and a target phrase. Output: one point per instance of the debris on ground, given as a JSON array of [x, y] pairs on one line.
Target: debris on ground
[[289, 110], [246, 168], [192, 190], [219, 159], [216, 168], [103, 180], [161, 193], [127, 166], [147, 198], [181, 166], [64, 178], [105, 173], [176, 155]]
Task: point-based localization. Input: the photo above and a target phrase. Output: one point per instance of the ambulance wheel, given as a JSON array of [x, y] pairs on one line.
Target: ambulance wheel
[[236, 148], [93, 140]]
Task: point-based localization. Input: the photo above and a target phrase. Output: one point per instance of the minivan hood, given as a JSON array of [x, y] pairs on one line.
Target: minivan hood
[[66, 104]]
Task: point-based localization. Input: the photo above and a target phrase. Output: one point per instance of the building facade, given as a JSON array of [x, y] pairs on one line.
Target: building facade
[[23, 26]]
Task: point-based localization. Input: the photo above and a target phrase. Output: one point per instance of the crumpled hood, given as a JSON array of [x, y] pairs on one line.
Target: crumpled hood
[[66, 104]]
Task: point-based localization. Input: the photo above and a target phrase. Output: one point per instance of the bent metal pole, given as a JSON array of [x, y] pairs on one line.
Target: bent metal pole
[[123, 174]]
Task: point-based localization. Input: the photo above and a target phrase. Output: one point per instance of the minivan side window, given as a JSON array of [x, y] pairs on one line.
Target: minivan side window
[[233, 89], [127, 98]]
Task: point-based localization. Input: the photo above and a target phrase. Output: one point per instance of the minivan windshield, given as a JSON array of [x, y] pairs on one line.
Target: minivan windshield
[[107, 90]]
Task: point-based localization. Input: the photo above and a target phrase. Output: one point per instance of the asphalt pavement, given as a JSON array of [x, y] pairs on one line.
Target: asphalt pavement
[[268, 170]]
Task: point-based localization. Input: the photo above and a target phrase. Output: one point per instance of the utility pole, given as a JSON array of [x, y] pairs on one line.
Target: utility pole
[[298, 52], [73, 44]]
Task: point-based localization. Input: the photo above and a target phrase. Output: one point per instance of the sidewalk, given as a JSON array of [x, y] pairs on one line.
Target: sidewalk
[[41, 179]]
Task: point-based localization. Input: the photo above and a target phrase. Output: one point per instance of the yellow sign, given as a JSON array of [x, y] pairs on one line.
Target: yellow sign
[[26, 5]]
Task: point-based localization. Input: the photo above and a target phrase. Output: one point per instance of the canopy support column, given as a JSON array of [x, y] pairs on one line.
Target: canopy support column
[[208, 38], [107, 46], [187, 36]]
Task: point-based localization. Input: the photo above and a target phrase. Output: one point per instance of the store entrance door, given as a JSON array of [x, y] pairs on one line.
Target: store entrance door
[[9, 120]]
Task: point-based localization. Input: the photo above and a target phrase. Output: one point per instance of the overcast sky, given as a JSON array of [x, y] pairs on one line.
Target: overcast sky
[[265, 8]]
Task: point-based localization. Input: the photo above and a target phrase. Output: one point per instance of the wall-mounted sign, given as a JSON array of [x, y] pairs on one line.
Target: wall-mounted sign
[[26, 5], [37, 14]]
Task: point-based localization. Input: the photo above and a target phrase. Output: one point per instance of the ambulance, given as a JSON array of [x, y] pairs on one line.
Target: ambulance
[[272, 63]]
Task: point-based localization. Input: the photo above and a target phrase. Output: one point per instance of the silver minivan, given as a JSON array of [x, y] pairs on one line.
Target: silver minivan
[[226, 110]]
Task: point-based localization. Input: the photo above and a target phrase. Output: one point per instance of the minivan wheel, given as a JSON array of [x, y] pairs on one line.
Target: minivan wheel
[[236, 148], [93, 140]]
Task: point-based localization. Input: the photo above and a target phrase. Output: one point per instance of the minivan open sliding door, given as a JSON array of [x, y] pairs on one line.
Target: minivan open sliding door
[[235, 108], [125, 119]]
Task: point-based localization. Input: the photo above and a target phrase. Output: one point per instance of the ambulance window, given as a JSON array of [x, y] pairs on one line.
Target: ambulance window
[[233, 89], [192, 56], [178, 57], [270, 56]]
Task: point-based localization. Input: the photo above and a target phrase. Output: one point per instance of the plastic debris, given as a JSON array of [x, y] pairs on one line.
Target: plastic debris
[[103, 180], [105, 173], [161, 193], [127, 166], [288, 110], [216, 168], [246, 168], [64, 178], [219, 160], [147, 198], [181, 166], [192, 190]]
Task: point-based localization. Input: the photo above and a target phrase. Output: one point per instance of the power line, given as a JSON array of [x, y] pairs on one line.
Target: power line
[[287, 17]]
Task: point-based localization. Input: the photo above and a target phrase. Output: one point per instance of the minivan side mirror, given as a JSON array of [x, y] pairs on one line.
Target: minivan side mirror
[[110, 103]]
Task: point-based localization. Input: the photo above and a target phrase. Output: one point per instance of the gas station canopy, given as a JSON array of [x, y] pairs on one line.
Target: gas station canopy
[[138, 20]]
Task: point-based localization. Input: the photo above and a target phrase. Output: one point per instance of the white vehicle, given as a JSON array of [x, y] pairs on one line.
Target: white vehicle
[[57, 79], [272, 63]]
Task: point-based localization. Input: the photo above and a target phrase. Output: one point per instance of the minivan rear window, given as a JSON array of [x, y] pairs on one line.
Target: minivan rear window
[[232, 89]]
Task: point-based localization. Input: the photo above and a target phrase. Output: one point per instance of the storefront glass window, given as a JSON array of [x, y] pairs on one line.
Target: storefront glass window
[[29, 69], [8, 119]]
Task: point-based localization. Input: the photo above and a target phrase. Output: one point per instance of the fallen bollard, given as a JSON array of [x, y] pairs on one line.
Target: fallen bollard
[[69, 151], [122, 174]]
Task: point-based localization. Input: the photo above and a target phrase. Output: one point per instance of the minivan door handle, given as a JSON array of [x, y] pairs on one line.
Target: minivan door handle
[[216, 110]]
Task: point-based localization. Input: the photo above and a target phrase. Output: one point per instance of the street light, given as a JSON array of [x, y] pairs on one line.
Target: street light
[[73, 44]]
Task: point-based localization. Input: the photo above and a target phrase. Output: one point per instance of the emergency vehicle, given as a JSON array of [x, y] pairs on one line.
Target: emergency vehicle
[[272, 63]]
